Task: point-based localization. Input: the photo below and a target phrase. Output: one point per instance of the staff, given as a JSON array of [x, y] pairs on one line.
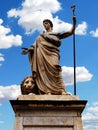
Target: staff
[[74, 53]]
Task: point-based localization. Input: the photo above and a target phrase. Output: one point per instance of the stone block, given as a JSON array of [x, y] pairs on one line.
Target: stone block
[[48, 112]]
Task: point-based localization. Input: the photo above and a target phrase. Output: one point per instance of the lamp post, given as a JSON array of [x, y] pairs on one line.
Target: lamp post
[[74, 52]]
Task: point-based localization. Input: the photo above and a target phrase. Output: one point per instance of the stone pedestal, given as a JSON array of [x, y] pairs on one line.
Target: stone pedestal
[[48, 112]]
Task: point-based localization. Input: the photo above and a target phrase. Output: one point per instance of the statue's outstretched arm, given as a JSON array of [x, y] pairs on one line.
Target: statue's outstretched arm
[[27, 50]]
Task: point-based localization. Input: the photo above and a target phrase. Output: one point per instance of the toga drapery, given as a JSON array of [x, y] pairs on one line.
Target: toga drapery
[[45, 64]]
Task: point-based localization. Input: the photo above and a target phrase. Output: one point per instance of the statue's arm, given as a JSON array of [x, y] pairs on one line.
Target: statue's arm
[[27, 50], [69, 33]]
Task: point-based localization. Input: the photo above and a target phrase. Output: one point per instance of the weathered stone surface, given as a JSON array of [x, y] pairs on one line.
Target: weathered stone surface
[[47, 128], [48, 97], [48, 112]]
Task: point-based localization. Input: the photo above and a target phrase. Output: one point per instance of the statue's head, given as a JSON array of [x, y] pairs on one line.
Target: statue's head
[[49, 21], [27, 85]]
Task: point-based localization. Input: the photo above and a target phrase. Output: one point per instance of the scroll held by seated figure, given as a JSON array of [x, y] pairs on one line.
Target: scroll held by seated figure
[[44, 60]]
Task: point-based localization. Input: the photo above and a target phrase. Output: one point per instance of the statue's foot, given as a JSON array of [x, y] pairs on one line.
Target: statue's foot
[[31, 94], [49, 93], [65, 93]]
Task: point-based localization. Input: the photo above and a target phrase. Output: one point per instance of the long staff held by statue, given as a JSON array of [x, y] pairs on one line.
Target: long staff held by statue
[[74, 52]]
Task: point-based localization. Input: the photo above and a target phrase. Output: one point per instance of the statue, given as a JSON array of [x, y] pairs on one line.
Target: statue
[[44, 60]]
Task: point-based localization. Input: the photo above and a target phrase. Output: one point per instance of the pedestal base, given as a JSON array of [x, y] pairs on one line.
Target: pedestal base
[[48, 112]]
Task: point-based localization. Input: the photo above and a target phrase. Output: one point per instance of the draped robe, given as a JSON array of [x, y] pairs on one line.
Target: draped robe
[[45, 64]]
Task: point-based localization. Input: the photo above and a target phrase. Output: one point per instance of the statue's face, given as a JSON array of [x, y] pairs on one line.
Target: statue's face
[[46, 25], [28, 85]]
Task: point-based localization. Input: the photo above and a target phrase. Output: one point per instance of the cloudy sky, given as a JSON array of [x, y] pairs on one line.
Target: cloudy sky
[[21, 23]]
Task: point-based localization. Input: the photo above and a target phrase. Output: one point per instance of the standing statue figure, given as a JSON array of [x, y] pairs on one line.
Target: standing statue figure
[[44, 59]]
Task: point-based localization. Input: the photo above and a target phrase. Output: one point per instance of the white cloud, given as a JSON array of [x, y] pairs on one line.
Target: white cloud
[[81, 28], [90, 118], [9, 92], [7, 39], [94, 33], [82, 74], [31, 18], [1, 58], [60, 26], [33, 12]]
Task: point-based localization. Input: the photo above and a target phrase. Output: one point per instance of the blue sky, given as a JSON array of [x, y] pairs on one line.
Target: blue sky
[[21, 23]]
